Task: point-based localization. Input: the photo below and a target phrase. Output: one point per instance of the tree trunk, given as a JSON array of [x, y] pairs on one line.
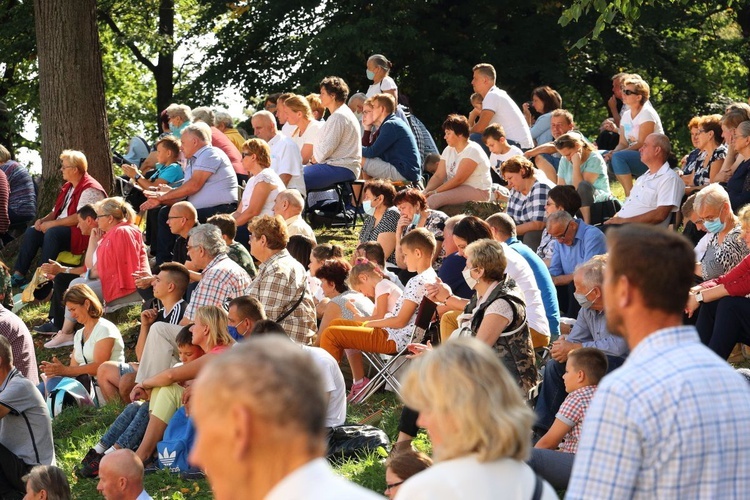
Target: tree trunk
[[743, 19], [71, 91], [165, 67]]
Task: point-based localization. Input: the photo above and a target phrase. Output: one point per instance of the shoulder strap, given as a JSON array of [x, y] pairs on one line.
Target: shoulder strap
[[289, 311], [538, 487]]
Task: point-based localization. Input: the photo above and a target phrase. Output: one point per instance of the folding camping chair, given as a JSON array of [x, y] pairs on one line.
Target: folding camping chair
[[384, 363]]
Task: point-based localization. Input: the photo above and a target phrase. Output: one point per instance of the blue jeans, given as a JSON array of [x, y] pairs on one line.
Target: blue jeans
[[553, 466], [128, 428], [54, 241], [627, 162], [723, 323], [322, 175], [552, 159]]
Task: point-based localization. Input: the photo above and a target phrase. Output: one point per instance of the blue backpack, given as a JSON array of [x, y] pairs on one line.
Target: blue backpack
[[174, 449]]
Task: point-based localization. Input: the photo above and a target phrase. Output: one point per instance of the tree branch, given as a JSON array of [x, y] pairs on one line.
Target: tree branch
[[136, 52]]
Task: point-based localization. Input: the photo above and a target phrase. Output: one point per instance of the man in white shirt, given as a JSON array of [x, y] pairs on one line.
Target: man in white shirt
[[289, 205], [286, 159], [658, 192], [263, 404], [121, 476], [498, 107]]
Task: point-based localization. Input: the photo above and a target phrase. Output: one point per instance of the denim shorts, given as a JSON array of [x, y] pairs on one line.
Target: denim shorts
[[126, 368]]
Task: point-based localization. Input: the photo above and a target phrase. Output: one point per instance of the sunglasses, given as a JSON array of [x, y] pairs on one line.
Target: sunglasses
[[629, 92]]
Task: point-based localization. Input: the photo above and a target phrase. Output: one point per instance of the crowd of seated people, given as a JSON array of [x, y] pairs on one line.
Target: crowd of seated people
[[228, 256]]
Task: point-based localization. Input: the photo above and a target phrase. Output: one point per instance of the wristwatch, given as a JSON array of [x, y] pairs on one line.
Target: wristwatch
[[699, 297], [137, 176]]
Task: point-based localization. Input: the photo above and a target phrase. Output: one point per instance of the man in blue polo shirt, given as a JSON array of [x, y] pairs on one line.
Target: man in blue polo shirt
[[394, 154], [576, 243]]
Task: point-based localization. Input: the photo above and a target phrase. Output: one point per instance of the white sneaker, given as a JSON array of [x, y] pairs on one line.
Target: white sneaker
[[60, 340]]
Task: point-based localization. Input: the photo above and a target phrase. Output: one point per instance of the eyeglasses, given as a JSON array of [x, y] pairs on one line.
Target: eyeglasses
[[246, 154], [561, 237], [629, 92], [175, 217], [66, 166], [102, 215], [701, 131], [393, 485]]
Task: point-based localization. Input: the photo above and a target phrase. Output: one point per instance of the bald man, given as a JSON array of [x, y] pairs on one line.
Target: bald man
[[121, 476], [286, 159], [289, 205], [181, 219]]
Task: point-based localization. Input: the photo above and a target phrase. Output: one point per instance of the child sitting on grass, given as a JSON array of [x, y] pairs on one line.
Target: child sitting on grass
[[583, 371], [392, 333], [129, 427]]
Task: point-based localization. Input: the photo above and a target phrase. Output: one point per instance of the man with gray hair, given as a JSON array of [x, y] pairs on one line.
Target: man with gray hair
[[210, 183], [224, 122], [263, 404], [25, 426], [590, 330], [289, 204], [121, 476], [286, 159], [658, 192], [221, 141], [577, 242], [221, 280]]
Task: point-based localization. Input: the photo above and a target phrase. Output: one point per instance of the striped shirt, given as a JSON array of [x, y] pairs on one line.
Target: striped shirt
[[671, 422], [174, 315]]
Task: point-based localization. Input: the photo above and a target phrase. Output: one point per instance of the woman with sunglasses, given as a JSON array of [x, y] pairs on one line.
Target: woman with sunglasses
[[637, 123], [260, 191]]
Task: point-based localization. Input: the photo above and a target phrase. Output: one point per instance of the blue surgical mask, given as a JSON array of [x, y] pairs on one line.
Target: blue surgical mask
[[235, 334], [415, 219], [368, 208], [370, 75], [582, 299], [715, 225]]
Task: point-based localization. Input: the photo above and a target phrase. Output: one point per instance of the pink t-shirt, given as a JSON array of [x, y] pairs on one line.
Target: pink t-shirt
[[394, 292]]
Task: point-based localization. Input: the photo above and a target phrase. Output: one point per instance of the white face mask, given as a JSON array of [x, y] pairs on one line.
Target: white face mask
[[468, 279]]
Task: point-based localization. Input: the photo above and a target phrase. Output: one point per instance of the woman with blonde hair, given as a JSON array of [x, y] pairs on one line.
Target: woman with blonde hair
[[261, 190], [479, 425], [58, 231], [164, 390], [638, 122], [115, 252], [305, 135]]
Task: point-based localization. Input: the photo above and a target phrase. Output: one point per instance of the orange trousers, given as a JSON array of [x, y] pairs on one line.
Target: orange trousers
[[347, 334]]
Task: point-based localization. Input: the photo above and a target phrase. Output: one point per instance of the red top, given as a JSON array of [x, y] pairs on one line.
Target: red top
[[120, 253], [220, 140], [78, 242], [736, 281]]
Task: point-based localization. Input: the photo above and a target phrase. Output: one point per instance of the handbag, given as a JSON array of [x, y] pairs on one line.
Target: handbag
[[37, 280], [351, 441]]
